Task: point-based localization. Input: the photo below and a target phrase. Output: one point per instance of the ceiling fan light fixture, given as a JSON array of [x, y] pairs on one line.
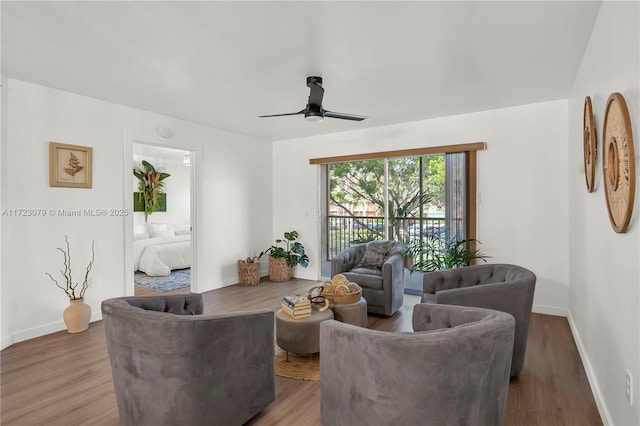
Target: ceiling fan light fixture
[[313, 117]]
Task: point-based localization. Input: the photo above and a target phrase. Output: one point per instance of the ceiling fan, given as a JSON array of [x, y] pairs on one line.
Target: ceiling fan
[[314, 111]]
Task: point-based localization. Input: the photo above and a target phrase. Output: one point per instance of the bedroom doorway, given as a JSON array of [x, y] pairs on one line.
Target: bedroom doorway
[[162, 228]]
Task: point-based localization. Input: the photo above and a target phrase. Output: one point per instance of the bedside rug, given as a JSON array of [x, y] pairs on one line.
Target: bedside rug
[[177, 279], [299, 367]]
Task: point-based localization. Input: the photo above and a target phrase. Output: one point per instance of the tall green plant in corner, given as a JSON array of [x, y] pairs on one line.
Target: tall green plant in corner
[[150, 185]]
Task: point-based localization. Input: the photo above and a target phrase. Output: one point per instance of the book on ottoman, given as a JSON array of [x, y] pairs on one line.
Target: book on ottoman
[[296, 306]]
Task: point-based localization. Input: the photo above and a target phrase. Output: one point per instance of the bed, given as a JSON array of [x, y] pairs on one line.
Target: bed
[[161, 252]]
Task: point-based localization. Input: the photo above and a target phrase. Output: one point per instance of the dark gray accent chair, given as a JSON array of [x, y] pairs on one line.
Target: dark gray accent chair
[[504, 287], [171, 365], [382, 280], [452, 370]]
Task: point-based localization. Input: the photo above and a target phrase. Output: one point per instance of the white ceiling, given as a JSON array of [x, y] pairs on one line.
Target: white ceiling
[[145, 150], [224, 63]]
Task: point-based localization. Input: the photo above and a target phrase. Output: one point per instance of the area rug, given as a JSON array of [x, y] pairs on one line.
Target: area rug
[[299, 367], [179, 278]]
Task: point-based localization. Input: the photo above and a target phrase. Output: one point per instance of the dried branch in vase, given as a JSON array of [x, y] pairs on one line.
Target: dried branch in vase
[[70, 288]]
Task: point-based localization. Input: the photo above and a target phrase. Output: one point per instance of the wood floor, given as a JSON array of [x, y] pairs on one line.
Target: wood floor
[[65, 379]]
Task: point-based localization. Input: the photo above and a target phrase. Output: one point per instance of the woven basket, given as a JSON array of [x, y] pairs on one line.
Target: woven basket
[[279, 270], [248, 273], [342, 298]]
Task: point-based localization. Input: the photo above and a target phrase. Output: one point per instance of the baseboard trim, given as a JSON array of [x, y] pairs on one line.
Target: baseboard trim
[[549, 310], [6, 341], [306, 276], [42, 330], [591, 377]]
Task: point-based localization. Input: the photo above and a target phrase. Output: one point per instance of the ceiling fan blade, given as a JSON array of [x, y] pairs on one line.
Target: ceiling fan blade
[[317, 91], [282, 115], [344, 116]]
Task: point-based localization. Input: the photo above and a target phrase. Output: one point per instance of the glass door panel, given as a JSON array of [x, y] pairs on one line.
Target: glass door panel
[[355, 205]]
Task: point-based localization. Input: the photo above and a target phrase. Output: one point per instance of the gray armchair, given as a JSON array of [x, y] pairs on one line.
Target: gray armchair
[[453, 370], [377, 267], [173, 366], [507, 288]]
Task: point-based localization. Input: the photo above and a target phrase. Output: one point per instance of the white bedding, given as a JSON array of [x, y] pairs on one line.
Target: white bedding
[[158, 256]]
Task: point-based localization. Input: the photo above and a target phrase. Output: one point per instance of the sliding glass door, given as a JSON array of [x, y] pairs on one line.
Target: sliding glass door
[[401, 198]]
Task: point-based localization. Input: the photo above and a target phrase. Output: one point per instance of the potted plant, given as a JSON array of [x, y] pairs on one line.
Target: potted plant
[[78, 314], [283, 258], [150, 187], [434, 254]]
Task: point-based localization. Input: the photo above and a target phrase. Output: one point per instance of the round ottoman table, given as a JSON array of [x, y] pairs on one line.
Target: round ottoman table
[[351, 313], [300, 336]]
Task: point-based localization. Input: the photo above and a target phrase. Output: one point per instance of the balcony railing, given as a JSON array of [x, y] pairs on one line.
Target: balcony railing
[[345, 231]]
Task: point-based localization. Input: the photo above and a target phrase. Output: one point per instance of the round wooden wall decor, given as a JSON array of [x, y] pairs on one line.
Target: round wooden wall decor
[[618, 162], [590, 145]]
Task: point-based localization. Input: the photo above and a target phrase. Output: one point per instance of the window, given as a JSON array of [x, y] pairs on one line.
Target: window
[[424, 194]]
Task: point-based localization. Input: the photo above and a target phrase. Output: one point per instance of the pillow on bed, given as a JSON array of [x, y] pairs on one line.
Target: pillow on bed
[[140, 236], [181, 228], [167, 233], [155, 228]]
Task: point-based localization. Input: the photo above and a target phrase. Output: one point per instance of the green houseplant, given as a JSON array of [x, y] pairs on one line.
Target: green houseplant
[[150, 187], [77, 315], [434, 254], [284, 257]]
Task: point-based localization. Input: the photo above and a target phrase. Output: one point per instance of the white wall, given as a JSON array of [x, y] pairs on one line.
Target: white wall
[[5, 325], [604, 266], [233, 201], [522, 185]]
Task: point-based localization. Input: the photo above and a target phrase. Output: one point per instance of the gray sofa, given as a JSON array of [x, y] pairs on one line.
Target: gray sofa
[[173, 366], [453, 370], [504, 287], [377, 267]]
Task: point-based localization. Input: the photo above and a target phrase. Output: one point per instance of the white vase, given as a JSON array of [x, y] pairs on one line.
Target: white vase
[[77, 316]]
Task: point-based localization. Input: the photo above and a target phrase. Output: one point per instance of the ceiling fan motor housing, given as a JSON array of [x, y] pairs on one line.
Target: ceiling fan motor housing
[[313, 113]]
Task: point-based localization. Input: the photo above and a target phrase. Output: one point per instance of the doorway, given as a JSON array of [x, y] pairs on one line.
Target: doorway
[[163, 250]]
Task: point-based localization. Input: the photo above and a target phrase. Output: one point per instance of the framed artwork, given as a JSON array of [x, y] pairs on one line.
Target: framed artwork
[[69, 165], [590, 145], [618, 162]]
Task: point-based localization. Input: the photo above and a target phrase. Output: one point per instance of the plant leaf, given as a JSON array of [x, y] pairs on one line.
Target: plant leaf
[[137, 173], [148, 166], [291, 235]]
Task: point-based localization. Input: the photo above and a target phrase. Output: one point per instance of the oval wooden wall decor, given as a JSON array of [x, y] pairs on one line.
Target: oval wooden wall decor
[[590, 145], [618, 162]]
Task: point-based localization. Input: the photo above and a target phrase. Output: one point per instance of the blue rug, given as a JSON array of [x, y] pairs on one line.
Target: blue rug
[[179, 278]]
